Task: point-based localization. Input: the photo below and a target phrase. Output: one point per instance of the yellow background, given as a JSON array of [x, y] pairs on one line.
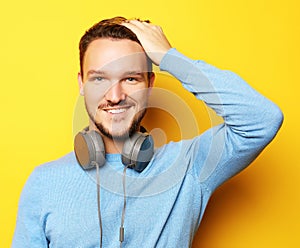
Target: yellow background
[[258, 39]]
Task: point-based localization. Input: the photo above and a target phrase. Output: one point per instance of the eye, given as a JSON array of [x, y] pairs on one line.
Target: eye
[[96, 79], [131, 79]]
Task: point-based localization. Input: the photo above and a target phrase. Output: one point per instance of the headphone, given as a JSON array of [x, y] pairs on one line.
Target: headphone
[[90, 150]]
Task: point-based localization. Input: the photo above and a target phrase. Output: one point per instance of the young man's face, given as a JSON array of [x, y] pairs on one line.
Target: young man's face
[[115, 85]]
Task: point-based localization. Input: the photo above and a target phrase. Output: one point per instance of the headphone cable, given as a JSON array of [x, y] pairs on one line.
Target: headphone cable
[[121, 234], [98, 203]]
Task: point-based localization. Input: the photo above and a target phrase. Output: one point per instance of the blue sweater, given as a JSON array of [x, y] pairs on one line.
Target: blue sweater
[[165, 203]]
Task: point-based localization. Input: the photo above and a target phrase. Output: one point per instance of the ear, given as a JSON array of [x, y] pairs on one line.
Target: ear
[[80, 84], [151, 83]]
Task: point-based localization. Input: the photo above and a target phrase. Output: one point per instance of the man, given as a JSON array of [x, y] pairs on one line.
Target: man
[[164, 201]]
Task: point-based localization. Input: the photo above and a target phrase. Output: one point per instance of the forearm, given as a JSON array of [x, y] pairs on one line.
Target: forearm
[[245, 111]]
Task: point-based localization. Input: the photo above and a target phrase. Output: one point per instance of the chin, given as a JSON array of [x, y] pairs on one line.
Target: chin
[[121, 130], [117, 133], [120, 134]]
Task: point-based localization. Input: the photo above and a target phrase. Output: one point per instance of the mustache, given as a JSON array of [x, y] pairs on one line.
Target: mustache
[[125, 102]]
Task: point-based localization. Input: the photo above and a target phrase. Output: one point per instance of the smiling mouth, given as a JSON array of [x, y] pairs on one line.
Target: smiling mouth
[[116, 110]]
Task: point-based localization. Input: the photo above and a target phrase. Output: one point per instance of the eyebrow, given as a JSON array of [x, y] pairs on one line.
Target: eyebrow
[[99, 72]]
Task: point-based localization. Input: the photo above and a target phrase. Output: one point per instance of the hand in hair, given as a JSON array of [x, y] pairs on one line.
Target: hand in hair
[[152, 38]]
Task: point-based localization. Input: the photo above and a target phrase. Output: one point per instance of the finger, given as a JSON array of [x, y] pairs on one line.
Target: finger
[[138, 24], [130, 25], [135, 29]]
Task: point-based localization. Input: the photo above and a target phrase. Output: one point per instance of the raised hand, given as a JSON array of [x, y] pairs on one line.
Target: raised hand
[[152, 38]]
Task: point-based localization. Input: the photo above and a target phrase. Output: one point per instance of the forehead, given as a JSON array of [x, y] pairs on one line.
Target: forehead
[[114, 55]]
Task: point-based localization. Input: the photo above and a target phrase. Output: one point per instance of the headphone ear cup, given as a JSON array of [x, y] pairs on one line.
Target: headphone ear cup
[[89, 149], [138, 151]]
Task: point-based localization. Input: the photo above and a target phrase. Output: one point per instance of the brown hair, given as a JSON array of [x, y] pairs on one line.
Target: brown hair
[[108, 28]]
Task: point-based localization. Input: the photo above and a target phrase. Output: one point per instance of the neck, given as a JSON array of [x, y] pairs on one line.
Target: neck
[[112, 146]]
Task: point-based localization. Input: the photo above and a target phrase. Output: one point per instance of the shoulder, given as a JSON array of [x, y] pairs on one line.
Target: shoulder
[[65, 163], [178, 152], [174, 149], [55, 171]]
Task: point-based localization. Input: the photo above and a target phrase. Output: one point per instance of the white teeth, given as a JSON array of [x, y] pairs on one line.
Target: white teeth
[[116, 111]]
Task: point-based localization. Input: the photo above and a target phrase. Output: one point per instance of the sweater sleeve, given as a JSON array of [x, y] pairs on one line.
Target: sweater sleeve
[[250, 120], [29, 231]]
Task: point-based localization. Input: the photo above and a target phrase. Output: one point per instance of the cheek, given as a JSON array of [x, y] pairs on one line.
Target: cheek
[[139, 94], [142, 99], [92, 97]]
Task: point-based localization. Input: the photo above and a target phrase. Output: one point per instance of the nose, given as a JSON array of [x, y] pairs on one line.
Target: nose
[[115, 93]]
